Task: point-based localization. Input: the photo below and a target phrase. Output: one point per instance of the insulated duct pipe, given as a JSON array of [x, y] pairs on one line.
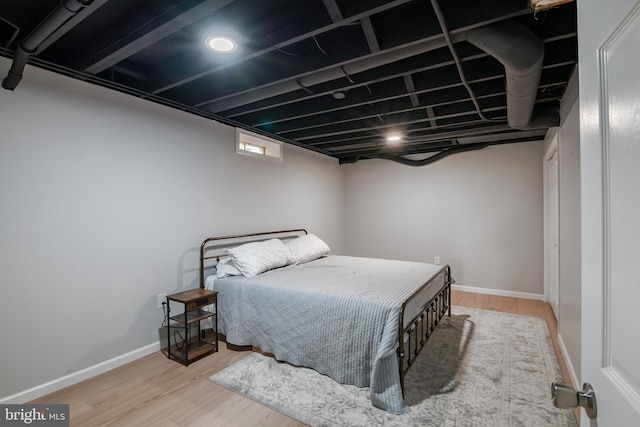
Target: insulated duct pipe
[[62, 13], [422, 162], [521, 53]]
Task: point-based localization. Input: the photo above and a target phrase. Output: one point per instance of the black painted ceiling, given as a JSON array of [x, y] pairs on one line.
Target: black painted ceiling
[[388, 61]]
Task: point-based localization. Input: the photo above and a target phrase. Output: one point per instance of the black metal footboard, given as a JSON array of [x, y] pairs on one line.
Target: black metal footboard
[[414, 334]]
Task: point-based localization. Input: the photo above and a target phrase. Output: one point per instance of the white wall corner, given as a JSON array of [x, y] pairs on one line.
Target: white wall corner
[[551, 147], [570, 367]]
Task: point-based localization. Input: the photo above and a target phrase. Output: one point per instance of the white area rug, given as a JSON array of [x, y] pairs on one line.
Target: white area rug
[[480, 368]]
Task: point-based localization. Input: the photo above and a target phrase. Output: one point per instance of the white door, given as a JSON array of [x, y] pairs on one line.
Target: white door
[[609, 42], [553, 278]]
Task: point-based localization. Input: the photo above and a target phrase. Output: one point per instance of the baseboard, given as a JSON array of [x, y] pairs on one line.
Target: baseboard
[[567, 360], [498, 292], [76, 377]]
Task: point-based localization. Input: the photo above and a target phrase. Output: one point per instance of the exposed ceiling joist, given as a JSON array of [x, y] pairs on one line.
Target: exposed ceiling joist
[[334, 10], [370, 34]]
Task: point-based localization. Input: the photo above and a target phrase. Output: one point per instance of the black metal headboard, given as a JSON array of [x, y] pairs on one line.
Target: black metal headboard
[[217, 245]]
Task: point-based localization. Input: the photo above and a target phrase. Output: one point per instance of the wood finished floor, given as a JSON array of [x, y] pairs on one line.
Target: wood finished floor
[[155, 391]]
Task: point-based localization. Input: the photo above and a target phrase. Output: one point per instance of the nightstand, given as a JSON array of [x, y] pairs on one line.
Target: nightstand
[[187, 349]]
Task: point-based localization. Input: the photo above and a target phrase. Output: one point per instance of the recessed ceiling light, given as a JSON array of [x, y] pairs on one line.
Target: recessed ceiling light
[[394, 138], [221, 44]]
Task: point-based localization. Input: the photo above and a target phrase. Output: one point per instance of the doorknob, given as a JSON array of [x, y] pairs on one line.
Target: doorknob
[[565, 397]]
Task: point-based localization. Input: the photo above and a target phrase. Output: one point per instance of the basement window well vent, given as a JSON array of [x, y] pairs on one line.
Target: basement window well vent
[[256, 145]]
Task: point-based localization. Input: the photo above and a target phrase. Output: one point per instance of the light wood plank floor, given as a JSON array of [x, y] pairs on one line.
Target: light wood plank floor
[[155, 391]]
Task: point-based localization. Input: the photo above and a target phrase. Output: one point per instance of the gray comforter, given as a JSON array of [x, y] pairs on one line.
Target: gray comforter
[[337, 315]]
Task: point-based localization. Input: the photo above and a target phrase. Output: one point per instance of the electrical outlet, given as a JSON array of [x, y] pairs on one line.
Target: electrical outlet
[[162, 298], [436, 260]]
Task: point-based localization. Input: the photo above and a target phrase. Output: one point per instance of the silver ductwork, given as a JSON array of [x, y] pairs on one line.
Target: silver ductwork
[[521, 53], [61, 14]]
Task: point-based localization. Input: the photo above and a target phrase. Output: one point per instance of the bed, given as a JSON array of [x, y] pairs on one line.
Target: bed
[[361, 321]]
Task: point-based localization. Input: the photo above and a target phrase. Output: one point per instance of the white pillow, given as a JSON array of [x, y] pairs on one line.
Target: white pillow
[[225, 268], [307, 248], [257, 257]]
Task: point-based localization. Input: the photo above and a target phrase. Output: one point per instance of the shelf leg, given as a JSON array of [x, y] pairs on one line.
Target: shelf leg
[[186, 337], [166, 320]]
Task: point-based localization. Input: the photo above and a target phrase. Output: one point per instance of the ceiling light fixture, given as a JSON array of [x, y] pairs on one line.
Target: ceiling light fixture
[[222, 44], [339, 95], [394, 138]]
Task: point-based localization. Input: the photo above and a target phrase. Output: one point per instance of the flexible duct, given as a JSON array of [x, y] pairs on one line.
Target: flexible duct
[[61, 14], [521, 53], [422, 162]]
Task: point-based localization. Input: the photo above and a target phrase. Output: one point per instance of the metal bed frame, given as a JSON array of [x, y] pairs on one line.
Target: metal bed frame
[[420, 328], [413, 335]]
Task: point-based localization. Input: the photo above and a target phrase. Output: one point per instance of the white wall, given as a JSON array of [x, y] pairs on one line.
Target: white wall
[[480, 211], [570, 312], [105, 201]]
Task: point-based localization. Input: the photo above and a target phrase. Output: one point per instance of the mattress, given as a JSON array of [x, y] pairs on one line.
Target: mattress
[[337, 315]]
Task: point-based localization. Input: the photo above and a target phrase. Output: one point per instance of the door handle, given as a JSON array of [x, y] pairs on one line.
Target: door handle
[[565, 397]]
